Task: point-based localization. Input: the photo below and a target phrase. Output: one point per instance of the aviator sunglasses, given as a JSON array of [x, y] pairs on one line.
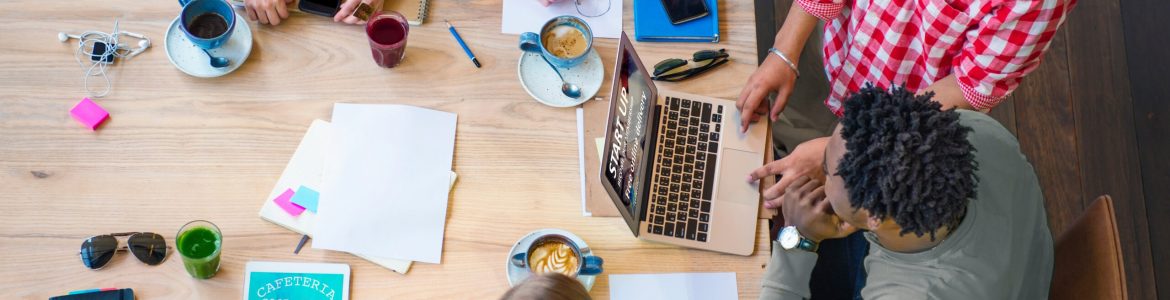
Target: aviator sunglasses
[[148, 247], [676, 69]]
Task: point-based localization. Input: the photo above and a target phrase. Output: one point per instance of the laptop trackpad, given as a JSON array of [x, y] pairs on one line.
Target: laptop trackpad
[[733, 187]]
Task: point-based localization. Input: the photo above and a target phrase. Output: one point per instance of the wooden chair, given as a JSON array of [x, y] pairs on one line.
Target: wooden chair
[[1088, 262]]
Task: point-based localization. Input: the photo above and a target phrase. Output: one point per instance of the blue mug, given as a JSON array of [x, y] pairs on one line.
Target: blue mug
[[586, 264], [533, 42], [195, 8]]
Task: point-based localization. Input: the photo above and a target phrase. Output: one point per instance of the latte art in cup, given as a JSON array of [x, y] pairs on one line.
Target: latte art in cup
[[554, 256]]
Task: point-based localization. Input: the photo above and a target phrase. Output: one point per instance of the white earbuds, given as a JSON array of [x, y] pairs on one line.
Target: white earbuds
[[94, 61], [64, 37], [143, 44], [135, 35], [143, 41]]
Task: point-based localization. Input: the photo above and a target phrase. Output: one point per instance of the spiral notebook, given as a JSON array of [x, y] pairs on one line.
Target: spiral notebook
[[415, 11]]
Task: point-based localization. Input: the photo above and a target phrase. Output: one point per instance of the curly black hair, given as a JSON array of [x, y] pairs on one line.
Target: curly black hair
[[907, 159]]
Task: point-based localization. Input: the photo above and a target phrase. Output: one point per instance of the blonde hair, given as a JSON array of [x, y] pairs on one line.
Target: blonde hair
[[550, 286]]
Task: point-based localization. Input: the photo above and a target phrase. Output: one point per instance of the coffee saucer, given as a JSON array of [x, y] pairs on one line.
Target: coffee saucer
[[191, 60], [541, 82], [518, 274]]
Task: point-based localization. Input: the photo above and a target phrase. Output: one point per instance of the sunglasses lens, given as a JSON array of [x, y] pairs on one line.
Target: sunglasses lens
[[708, 54], [97, 251], [148, 247], [672, 65]]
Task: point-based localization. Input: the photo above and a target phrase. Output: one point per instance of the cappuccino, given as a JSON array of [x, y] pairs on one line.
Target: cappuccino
[[554, 256], [565, 41]]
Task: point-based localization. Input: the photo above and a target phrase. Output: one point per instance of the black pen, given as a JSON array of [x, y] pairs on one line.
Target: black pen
[[461, 43]]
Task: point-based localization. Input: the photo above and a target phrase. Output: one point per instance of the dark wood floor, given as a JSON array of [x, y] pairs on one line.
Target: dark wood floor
[[1094, 119]]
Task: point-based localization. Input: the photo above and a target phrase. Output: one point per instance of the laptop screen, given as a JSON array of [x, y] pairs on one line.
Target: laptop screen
[[627, 136]]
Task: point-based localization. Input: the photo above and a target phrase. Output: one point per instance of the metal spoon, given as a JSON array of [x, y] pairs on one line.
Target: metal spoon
[[218, 62], [567, 88]]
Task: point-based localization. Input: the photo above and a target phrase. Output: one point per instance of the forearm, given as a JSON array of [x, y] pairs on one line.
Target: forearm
[[787, 274], [948, 93], [794, 33]]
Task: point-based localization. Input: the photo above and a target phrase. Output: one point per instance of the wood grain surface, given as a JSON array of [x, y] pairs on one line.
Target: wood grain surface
[[179, 148]]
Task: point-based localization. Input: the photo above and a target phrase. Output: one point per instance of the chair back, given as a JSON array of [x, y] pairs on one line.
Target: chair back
[[1088, 262]]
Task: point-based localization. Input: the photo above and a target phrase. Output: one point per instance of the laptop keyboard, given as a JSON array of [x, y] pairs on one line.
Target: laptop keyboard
[[687, 147]]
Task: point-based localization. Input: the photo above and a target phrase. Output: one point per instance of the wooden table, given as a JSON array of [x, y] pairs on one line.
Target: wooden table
[[179, 148]]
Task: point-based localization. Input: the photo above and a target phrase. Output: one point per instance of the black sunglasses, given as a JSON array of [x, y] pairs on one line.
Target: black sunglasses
[[676, 69], [148, 247]]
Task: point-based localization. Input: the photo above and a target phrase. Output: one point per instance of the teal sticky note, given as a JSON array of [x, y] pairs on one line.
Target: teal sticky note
[[307, 198]]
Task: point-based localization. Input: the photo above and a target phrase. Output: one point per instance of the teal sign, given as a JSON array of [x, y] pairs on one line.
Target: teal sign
[[280, 286]]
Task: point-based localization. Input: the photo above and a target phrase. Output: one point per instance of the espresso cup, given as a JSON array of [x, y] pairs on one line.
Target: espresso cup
[[570, 38], [557, 253], [207, 23]]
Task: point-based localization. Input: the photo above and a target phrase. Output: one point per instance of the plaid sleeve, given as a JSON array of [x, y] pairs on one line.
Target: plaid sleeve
[[822, 9], [1007, 47]]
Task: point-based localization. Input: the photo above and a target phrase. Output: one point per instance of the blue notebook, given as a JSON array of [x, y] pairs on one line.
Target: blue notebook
[[652, 25]]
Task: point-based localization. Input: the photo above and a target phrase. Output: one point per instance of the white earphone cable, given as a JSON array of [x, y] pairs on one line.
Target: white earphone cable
[[112, 53]]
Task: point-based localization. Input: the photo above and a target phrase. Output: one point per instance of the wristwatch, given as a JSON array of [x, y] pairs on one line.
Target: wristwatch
[[790, 239]]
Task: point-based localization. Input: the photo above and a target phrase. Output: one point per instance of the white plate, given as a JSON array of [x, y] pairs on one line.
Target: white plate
[[541, 82], [190, 59], [518, 274]]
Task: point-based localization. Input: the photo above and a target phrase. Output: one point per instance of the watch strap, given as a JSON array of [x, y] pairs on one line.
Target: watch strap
[[808, 245]]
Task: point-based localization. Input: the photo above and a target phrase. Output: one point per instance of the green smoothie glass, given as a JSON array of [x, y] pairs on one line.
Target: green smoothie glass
[[199, 244]]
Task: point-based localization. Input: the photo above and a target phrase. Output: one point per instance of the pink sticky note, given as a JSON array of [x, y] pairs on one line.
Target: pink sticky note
[[288, 206], [89, 113]]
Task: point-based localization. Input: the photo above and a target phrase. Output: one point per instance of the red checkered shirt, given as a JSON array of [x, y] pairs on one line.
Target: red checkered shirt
[[989, 45]]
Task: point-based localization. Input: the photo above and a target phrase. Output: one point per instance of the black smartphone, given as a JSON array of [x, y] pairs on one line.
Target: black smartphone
[[99, 294], [326, 8], [681, 11]]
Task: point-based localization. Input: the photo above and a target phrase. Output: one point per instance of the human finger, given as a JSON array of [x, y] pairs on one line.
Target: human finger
[[282, 9], [273, 14], [766, 170], [345, 10], [796, 184], [743, 95], [262, 13], [772, 196], [809, 186], [251, 12], [781, 102], [748, 113]]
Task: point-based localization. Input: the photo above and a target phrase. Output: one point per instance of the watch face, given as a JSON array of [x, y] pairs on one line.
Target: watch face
[[789, 238]]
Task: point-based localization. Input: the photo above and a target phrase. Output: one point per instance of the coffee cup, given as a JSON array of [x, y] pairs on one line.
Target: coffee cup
[[207, 23], [564, 41], [559, 254]]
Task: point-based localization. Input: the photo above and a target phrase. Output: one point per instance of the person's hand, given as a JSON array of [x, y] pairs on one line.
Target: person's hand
[[546, 3], [806, 208], [345, 12], [774, 75], [805, 160], [267, 11]]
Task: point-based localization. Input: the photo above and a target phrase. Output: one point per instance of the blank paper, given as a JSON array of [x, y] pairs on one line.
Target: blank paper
[[387, 177]]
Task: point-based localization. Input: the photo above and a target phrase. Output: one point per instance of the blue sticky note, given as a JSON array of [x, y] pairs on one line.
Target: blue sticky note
[[307, 198]]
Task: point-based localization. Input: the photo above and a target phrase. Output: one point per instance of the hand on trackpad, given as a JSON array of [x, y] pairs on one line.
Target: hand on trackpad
[[732, 187]]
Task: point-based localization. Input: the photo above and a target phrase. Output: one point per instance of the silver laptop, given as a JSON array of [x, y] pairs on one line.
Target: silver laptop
[[675, 164]]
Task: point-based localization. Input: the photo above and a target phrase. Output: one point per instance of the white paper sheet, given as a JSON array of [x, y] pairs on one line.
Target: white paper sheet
[[528, 15], [387, 177], [673, 286]]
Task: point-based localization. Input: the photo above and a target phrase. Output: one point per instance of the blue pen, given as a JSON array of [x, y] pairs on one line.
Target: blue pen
[[461, 43]]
